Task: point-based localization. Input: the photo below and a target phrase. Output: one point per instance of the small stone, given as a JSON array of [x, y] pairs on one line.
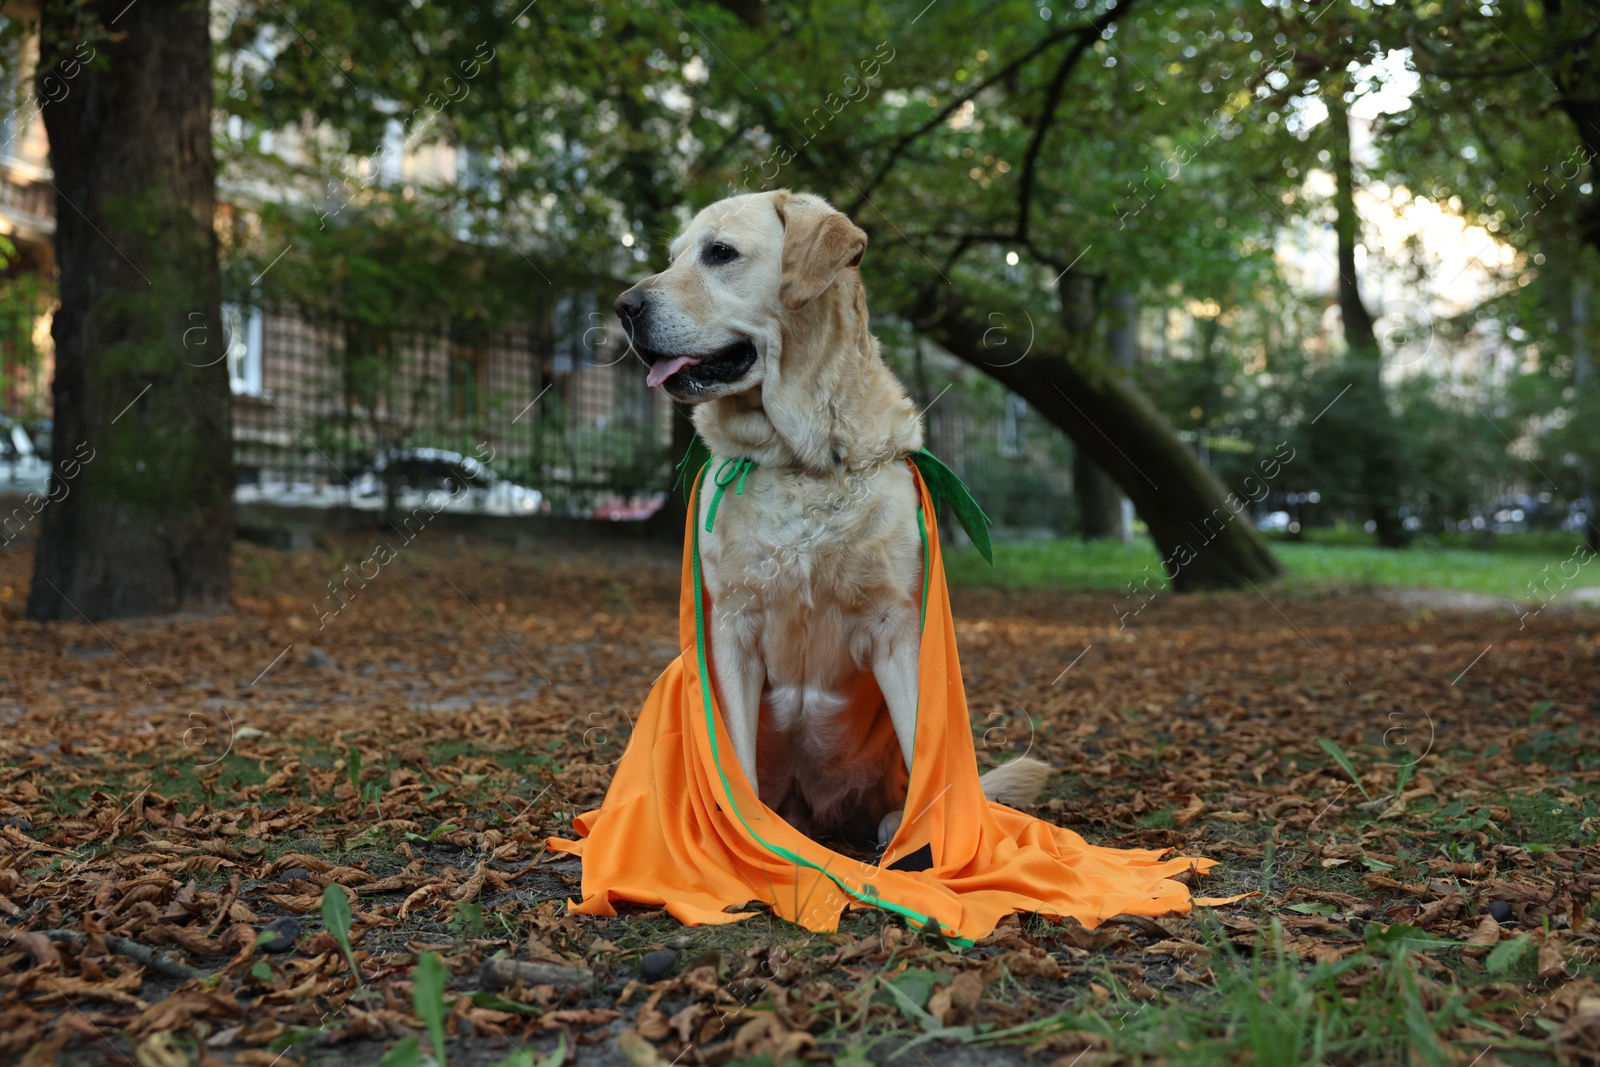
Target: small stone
[[286, 930], [319, 659], [682, 941], [656, 965], [1501, 910]]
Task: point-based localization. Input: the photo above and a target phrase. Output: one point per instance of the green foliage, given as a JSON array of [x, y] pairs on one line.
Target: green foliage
[[1271, 1009], [915, 985], [527, 1057], [428, 985], [336, 916], [389, 266], [1566, 749], [407, 1053], [1507, 954], [24, 296], [352, 768], [1332, 748], [1160, 150], [442, 828]]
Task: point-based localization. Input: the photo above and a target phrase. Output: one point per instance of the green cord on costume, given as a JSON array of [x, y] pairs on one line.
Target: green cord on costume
[[730, 469]]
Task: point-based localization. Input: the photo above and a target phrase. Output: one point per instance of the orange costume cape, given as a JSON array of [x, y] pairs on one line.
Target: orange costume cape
[[681, 828]]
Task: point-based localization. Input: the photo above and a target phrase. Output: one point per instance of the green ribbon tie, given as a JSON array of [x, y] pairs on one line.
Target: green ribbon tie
[[730, 470]]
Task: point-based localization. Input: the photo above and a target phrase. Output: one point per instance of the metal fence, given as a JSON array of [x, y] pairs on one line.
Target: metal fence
[[1017, 464], [323, 408], [555, 407]]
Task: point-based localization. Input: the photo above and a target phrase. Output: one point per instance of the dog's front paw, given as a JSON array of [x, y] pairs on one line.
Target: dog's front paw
[[887, 827]]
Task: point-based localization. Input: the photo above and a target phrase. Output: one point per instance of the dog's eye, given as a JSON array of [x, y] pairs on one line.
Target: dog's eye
[[717, 252]]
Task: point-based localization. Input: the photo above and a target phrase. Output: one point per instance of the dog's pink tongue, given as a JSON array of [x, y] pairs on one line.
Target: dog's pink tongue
[[662, 369]]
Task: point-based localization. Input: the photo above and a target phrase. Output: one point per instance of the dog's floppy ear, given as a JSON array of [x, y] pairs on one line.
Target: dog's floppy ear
[[818, 243]]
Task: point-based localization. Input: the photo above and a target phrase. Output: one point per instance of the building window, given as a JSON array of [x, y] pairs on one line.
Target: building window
[[242, 331]]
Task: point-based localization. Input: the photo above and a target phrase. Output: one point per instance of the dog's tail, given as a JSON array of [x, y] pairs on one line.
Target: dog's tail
[[1016, 783]]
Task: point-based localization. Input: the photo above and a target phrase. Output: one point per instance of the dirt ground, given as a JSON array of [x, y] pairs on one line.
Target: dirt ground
[[1382, 772]]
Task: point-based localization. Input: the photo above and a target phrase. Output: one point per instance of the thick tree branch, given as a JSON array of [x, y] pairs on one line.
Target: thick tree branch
[[1204, 534], [1423, 47], [1047, 119], [1088, 30]]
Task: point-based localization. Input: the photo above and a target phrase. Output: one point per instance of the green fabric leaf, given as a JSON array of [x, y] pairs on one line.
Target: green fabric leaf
[[944, 484], [697, 456]]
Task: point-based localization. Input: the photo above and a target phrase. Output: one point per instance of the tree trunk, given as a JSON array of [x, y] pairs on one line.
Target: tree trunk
[[142, 518], [1379, 445], [1099, 504], [1098, 499], [1359, 336], [1205, 538], [1575, 93], [1575, 325]]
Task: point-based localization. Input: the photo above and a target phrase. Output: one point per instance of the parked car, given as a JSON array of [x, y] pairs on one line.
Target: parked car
[[20, 452], [1524, 511], [14, 440], [630, 509], [427, 470], [41, 430], [1576, 520]]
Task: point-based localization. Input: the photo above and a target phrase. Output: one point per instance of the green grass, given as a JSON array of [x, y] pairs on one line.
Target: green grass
[[1266, 1007], [1502, 570], [1269, 1009]]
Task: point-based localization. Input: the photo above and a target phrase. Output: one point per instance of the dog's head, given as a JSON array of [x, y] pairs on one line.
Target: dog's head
[[712, 323]]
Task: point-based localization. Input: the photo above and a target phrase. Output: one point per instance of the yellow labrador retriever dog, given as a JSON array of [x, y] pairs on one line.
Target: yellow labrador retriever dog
[[814, 570]]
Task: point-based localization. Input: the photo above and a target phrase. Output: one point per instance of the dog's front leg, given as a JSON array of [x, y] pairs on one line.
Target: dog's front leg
[[896, 647], [740, 677]]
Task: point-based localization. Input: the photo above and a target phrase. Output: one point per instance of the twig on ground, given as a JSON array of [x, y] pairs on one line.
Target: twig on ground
[[502, 973], [122, 946]]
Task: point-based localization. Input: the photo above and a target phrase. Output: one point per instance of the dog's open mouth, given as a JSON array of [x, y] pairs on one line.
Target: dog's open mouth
[[698, 372]]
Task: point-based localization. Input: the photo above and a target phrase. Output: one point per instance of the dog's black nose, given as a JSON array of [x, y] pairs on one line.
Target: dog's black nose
[[630, 305]]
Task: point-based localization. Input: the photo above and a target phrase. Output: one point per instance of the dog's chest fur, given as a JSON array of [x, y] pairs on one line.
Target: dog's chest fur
[[808, 574]]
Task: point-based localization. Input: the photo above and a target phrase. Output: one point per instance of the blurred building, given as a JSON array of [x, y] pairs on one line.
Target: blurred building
[[27, 222], [556, 399], [552, 399]]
